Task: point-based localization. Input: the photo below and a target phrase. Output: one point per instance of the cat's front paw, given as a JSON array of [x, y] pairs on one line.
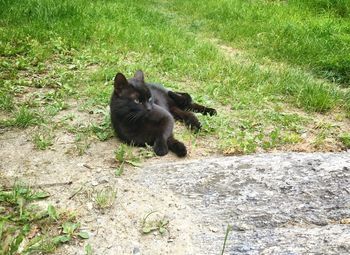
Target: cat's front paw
[[210, 111], [160, 148]]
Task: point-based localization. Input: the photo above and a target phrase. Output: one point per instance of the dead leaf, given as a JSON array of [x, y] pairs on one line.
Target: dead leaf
[[33, 232]]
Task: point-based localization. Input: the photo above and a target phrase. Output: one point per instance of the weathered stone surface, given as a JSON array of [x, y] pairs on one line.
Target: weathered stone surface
[[291, 203]]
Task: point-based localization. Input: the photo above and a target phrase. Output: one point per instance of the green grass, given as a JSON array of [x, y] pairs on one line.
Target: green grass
[[69, 51], [151, 225], [26, 228], [24, 117], [6, 100], [42, 140], [228, 230], [105, 197], [312, 34], [345, 139], [125, 154]]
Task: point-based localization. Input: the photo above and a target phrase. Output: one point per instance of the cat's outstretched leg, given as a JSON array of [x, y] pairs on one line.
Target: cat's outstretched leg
[[177, 147], [201, 109], [184, 102], [187, 117]]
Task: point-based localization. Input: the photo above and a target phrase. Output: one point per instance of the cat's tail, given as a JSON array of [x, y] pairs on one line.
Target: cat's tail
[[177, 147]]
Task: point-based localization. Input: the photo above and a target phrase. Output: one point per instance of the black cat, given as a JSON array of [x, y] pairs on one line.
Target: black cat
[[143, 113]]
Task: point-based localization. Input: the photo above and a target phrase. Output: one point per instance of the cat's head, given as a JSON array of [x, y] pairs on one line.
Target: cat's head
[[133, 90]]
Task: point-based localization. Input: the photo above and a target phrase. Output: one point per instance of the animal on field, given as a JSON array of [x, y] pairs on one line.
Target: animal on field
[[144, 113]]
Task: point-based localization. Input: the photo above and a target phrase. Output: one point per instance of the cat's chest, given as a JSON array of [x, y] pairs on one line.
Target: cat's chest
[[159, 95], [161, 102]]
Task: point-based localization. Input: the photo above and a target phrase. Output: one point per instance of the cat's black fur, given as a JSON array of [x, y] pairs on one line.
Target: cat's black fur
[[143, 113]]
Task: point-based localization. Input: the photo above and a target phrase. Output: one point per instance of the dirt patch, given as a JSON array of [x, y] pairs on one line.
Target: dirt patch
[[92, 67], [32, 95], [113, 231]]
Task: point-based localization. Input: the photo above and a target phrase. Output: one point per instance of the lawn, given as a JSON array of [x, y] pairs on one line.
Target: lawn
[[314, 35], [260, 63], [276, 71]]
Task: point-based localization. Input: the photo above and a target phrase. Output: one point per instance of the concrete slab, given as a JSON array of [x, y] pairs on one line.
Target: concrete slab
[[286, 203]]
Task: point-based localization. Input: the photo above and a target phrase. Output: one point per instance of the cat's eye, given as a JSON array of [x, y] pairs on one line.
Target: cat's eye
[[150, 99], [137, 101]]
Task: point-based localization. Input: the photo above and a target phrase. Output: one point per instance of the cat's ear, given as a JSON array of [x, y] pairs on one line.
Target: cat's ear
[[120, 82], [139, 76]]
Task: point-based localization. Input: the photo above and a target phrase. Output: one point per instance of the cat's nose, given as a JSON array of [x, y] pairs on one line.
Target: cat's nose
[[148, 107]]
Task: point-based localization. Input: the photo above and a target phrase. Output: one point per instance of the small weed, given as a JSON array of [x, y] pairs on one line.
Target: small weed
[[70, 116], [345, 139], [320, 139], [42, 140], [81, 147], [55, 107], [81, 144], [242, 143], [105, 198], [160, 225], [24, 118], [103, 131], [53, 214], [228, 230], [146, 152], [25, 228], [286, 120], [273, 139], [291, 138], [124, 154], [324, 131], [69, 232], [88, 249], [6, 101], [119, 170]]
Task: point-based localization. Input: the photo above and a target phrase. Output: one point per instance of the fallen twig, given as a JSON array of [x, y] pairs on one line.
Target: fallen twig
[[75, 193]]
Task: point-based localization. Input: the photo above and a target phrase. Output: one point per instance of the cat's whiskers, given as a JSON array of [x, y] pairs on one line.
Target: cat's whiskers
[[133, 117]]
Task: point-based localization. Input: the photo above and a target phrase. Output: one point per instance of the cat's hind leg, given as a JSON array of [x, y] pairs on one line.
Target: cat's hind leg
[[184, 102], [162, 125], [177, 147]]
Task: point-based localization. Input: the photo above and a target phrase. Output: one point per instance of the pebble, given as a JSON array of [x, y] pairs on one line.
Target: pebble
[[241, 227], [136, 251], [103, 179], [89, 205], [213, 229]]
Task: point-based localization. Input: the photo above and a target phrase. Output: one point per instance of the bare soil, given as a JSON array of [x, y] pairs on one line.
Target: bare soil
[[62, 172]]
